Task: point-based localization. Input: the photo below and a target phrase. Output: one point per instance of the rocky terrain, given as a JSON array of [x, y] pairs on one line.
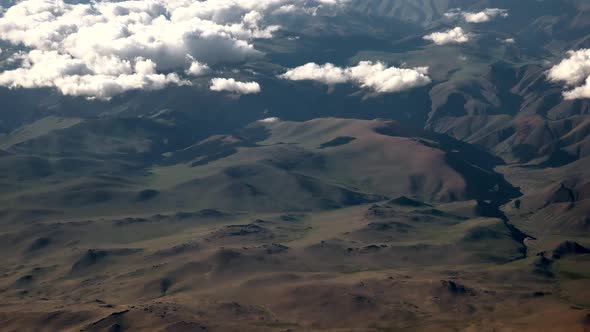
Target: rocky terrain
[[313, 192]]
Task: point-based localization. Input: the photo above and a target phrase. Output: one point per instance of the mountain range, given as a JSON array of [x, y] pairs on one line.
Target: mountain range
[[329, 165]]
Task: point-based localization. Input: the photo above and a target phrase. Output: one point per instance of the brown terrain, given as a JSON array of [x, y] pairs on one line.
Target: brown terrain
[[460, 205], [289, 227]]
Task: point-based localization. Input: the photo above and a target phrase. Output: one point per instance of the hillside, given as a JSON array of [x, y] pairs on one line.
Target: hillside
[[294, 165]]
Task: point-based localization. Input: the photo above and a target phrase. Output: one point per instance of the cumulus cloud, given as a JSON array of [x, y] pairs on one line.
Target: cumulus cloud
[[233, 86], [103, 48], [580, 92], [574, 71], [453, 36], [197, 69], [375, 76], [483, 16], [327, 74], [270, 120], [73, 77]]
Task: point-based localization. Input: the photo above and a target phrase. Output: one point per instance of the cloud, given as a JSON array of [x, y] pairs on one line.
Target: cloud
[[270, 120], [198, 69], [99, 45], [231, 85], [483, 16], [73, 77], [580, 92], [328, 74], [375, 76], [574, 71], [453, 36]]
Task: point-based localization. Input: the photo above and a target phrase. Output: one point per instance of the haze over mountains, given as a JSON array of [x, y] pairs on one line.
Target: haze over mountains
[[294, 165]]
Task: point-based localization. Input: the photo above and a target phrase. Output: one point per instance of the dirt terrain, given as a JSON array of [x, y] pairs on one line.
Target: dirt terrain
[[317, 239]]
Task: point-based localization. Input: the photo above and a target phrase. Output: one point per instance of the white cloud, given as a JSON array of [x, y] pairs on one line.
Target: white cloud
[[270, 120], [580, 92], [198, 69], [97, 43], [574, 71], [73, 77], [231, 85], [483, 16], [375, 76], [509, 41], [327, 74], [453, 36]]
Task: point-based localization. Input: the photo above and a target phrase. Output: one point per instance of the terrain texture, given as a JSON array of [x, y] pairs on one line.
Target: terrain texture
[[319, 225], [462, 204]]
